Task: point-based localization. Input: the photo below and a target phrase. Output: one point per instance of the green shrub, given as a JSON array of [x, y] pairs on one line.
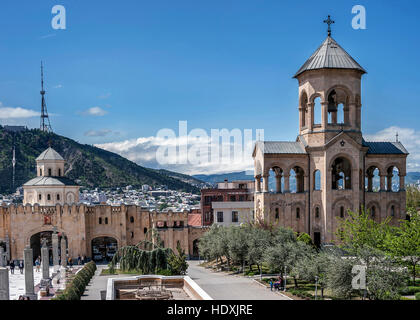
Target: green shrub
[[417, 295], [77, 284], [409, 291]]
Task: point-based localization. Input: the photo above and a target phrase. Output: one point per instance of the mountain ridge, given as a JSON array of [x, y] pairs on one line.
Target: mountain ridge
[[88, 165]]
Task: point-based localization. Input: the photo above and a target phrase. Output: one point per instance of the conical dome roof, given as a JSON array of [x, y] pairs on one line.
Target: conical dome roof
[[330, 56], [49, 154]]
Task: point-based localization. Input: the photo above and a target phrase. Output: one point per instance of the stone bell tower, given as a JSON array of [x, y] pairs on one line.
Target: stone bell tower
[[329, 86]]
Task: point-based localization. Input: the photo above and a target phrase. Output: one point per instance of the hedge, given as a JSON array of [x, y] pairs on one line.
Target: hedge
[[417, 295], [78, 283], [408, 291]]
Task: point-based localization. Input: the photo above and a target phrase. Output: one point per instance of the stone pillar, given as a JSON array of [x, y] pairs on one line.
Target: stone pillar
[[382, 182], [324, 114], [265, 183], [402, 182], [4, 284], [56, 258], [2, 258], [286, 182], [29, 273], [63, 252], [7, 248], [258, 184], [278, 183], [310, 119], [45, 259]]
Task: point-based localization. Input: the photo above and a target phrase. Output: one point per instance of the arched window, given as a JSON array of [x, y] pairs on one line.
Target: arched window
[[106, 220], [392, 181], [58, 197], [372, 180], [49, 172], [132, 234], [392, 211], [341, 212], [341, 174], [373, 211], [100, 220], [39, 196], [40, 172], [276, 174], [59, 172], [277, 213], [296, 180], [297, 213], [317, 180], [48, 197], [145, 230], [132, 219], [317, 212], [303, 109]]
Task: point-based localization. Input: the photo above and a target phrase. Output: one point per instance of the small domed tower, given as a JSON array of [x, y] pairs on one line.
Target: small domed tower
[[50, 164], [50, 187]]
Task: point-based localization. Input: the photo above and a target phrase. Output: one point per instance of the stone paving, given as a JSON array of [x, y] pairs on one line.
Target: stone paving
[[17, 282]]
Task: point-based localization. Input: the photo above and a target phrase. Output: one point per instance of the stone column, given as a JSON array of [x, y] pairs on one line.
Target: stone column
[[310, 123], [63, 252], [4, 284], [286, 182], [258, 184], [7, 248], [324, 114], [2, 258], [382, 182], [278, 183], [56, 258], [45, 259], [265, 183], [29, 273], [402, 182]]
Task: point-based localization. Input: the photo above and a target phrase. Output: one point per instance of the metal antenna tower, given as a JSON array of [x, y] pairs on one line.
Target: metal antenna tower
[[45, 120]]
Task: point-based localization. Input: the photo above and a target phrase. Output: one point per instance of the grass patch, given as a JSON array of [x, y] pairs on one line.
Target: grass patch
[[105, 272]]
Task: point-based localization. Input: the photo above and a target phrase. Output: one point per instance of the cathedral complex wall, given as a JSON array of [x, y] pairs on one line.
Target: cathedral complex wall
[[81, 224]]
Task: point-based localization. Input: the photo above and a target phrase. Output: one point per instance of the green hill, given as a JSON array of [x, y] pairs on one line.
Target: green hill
[[88, 165]]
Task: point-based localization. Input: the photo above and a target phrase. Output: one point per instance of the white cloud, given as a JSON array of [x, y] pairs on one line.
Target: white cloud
[[143, 152], [16, 113], [409, 137], [98, 133], [58, 86], [95, 111]]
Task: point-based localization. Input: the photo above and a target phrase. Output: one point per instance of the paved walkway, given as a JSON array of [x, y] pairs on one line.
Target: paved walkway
[[221, 286], [17, 282], [97, 284]]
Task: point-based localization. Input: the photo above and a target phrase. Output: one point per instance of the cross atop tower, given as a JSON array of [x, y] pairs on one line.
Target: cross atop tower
[[329, 22]]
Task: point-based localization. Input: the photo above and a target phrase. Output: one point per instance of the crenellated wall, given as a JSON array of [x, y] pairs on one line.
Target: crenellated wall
[[127, 224]]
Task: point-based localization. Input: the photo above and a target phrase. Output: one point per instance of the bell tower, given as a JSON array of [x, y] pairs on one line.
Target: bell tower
[[329, 93]]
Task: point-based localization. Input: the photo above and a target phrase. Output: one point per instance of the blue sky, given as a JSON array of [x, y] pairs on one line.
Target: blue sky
[[122, 70]]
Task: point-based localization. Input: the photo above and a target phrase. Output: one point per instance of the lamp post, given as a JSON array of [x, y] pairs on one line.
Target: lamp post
[[285, 277]]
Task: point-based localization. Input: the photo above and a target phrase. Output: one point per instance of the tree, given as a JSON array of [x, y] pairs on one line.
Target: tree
[[257, 240], [178, 262], [314, 266], [339, 276], [238, 245], [405, 244], [359, 230]]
